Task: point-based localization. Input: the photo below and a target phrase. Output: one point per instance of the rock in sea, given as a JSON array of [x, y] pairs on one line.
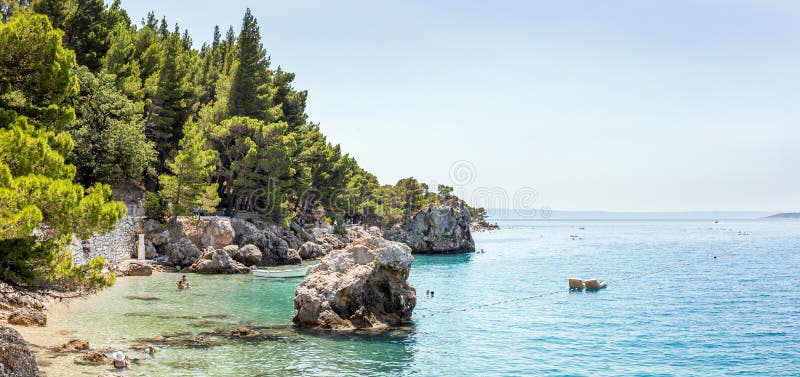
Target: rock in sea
[[437, 228], [364, 286], [15, 358]]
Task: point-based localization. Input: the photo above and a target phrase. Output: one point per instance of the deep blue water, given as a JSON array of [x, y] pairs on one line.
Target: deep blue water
[[738, 314]]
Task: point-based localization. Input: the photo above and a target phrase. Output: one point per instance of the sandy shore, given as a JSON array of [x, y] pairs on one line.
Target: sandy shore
[[43, 340]]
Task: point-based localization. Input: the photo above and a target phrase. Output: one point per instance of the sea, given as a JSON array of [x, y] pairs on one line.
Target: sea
[[684, 298]]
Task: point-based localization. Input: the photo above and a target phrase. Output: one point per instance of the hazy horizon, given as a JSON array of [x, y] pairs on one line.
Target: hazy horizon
[[623, 106]]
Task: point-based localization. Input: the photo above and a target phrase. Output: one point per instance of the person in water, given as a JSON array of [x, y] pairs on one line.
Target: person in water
[[183, 283], [120, 360]]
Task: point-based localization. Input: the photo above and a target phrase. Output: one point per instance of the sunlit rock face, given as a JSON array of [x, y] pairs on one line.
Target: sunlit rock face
[[363, 286], [437, 228]]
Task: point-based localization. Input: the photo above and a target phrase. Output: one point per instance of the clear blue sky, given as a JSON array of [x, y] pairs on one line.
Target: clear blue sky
[[607, 105]]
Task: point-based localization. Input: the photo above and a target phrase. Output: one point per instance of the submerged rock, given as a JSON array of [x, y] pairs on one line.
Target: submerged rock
[[15, 357], [74, 345], [362, 286], [27, 317], [437, 228], [217, 261], [92, 358]]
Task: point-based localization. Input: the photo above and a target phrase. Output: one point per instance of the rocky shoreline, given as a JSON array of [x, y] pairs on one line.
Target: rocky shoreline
[[360, 283]]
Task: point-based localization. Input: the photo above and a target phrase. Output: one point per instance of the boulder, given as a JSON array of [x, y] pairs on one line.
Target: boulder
[[159, 238], [437, 228], [181, 253], [248, 255], [364, 285], [75, 345], [311, 250], [275, 250], [92, 358], [217, 261], [27, 317], [16, 359], [134, 268], [205, 231]]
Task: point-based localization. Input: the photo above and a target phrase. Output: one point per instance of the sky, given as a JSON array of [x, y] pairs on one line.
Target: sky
[[565, 105]]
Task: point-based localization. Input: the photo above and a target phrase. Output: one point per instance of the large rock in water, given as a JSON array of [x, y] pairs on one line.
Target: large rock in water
[[16, 359], [362, 286], [437, 228], [275, 250]]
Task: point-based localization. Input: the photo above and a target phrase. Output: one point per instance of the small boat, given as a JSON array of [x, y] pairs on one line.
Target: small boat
[[293, 273]]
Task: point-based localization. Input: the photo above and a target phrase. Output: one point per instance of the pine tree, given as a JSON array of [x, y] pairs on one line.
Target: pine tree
[[188, 187], [110, 145], [36, 75], [40, 206], [250, 94], [292, 102], [172, 97]]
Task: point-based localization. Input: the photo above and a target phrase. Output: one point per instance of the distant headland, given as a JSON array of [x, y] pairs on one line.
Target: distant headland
[[785, 215]]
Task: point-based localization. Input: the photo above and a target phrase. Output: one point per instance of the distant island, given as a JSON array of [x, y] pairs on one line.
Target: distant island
[[786, 215]]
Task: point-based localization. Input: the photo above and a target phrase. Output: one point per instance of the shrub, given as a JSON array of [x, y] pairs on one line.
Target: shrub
[[154, 207]]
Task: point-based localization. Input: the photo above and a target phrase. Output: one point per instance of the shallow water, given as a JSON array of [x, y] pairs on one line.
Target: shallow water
[[735, 315]]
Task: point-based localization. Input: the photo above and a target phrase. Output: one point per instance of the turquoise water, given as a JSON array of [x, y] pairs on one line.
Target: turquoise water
[[738, 314]]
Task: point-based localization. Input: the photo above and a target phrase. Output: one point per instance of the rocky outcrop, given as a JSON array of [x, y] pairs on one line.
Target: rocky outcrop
[[217, 261], [437, 228], [205, 231], [362, 286], [311, 250], [476, 227], [16, 359], [181, 253], [270, 239], [248, 255], [27, 317]]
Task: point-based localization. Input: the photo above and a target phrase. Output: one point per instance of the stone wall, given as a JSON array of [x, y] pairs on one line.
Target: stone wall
[[118, 244], [121, 242]]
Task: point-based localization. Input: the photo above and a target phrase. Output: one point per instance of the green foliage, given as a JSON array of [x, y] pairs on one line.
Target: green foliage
[[255, 165], [154, 207], [170, 96], [251, 93], [87, 25], [188, 188], [37, 194], [36, 75], [111, 146], [253, 147]]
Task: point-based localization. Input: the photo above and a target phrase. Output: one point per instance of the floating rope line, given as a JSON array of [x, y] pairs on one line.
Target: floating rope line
[[633, 277]]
